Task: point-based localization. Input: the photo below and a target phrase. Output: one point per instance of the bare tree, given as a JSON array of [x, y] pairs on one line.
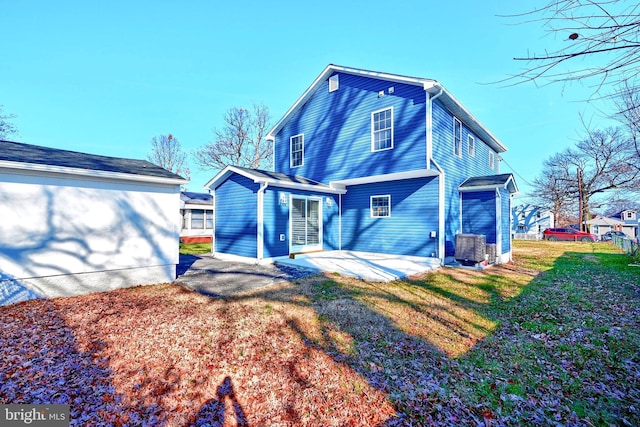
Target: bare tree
[[240, 142], [602, 165], [607, 32], [627, 101], [553, 191], [6, 127], [166, 152]]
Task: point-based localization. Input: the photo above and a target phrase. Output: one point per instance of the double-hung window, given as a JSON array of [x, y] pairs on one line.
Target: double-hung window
[[382, 129], [457, 137], [492, 160], [297, 150], [380, 206], [471, 145]]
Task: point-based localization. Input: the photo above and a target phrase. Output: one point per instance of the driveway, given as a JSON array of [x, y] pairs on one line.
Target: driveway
[[218, 278]]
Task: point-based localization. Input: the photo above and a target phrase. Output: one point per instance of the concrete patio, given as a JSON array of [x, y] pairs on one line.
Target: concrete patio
[[363, 265]]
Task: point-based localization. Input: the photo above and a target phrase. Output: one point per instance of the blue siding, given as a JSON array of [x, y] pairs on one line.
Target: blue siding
[[506, 220], [414, 213], [457, 169], [276, 220], [337, 131], [479, 214], [236, 217]]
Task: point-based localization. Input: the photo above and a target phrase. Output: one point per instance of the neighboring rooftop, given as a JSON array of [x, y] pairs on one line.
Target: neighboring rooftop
[[38, 155], [196, 198]]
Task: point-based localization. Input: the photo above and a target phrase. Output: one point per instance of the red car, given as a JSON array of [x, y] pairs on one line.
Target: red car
[[568, 234]]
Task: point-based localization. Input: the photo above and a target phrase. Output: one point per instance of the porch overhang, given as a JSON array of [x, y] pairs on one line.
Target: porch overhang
[[489, 183]]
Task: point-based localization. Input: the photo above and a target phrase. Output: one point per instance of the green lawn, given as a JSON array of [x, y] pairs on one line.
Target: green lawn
[[195, 248], [550, 339]]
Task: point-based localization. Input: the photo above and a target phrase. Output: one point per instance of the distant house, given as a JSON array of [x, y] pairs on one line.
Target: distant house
[[371, 162], [196, 211], [601, 224], [631, 222], [75, 223], [530, 220], [625, 221]]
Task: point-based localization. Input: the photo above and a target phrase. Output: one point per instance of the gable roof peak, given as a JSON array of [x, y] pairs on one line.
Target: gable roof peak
[[431, 86]]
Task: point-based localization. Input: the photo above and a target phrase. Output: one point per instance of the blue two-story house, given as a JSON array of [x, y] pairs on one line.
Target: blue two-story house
[[371, 162]]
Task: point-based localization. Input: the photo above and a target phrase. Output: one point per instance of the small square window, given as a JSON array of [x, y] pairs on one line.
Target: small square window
[[297, 150], [380, 206], [334, 83], [382, 130], [457, 137], [471, 145]]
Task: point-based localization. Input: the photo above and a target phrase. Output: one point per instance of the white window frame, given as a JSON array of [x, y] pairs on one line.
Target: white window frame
[[457, 141], [371, 208], [373, 131], [334, 83], [471, 145], [301, 136], [492, 160]]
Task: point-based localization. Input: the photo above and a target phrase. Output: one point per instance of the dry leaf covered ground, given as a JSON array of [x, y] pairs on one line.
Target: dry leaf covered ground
[[506, 346]]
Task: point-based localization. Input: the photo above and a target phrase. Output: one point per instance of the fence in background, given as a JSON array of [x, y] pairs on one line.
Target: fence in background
[[630, 246]]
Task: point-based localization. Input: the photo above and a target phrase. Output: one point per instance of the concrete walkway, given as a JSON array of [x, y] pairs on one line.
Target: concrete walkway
[[219, 278], [363, 265]]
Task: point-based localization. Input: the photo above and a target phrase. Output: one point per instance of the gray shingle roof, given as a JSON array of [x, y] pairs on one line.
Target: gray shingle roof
[[34, 154], [196, 198], [489, 181], [262, 175]]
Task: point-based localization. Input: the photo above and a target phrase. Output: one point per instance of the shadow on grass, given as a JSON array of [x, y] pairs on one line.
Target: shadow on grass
[[416, 339]]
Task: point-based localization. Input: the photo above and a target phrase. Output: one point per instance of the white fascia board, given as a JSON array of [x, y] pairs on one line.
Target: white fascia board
[[330, 69], [451, 101], [306, 187], [224, 174], [491, 187], [89, 173], [420, 173]]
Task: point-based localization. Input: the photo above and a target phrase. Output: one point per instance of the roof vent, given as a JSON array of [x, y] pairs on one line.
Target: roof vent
[[333, 83]]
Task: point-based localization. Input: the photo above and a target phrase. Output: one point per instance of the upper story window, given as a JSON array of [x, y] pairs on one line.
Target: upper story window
[[297, 150], [492, 160], [380, 206], [382, 129], [457, 137], [471, 145]]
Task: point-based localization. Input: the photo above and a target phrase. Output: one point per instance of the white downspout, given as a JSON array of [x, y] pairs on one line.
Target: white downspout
[[441, 177], [340, 221], [260, 239], [498, 226]]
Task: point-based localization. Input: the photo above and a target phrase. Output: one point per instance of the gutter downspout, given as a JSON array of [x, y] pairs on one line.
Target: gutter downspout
[[260, 239], [499, 225], [441, 177], [340, 221]]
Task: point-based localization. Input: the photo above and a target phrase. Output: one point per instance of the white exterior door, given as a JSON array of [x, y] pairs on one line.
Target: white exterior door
[[305, 224]]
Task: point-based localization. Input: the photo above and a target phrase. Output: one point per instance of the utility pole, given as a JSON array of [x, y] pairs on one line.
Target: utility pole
[[581, 200]]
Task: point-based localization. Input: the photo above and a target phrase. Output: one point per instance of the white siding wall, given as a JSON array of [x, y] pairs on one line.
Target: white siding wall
[[65, 235]]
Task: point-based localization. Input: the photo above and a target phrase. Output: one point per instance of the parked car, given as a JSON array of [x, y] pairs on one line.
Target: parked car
[[609, 234], [568, 234]]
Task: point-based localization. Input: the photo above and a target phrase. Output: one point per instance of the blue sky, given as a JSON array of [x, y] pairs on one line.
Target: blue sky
[[105, 77]]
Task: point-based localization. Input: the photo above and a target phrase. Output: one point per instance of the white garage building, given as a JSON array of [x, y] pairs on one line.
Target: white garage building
[[74, 223]]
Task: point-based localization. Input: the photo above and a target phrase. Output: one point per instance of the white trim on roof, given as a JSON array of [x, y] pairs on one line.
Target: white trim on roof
[[420, 173], [429, 85], [258, 179], [89, 173], [490, 186]]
